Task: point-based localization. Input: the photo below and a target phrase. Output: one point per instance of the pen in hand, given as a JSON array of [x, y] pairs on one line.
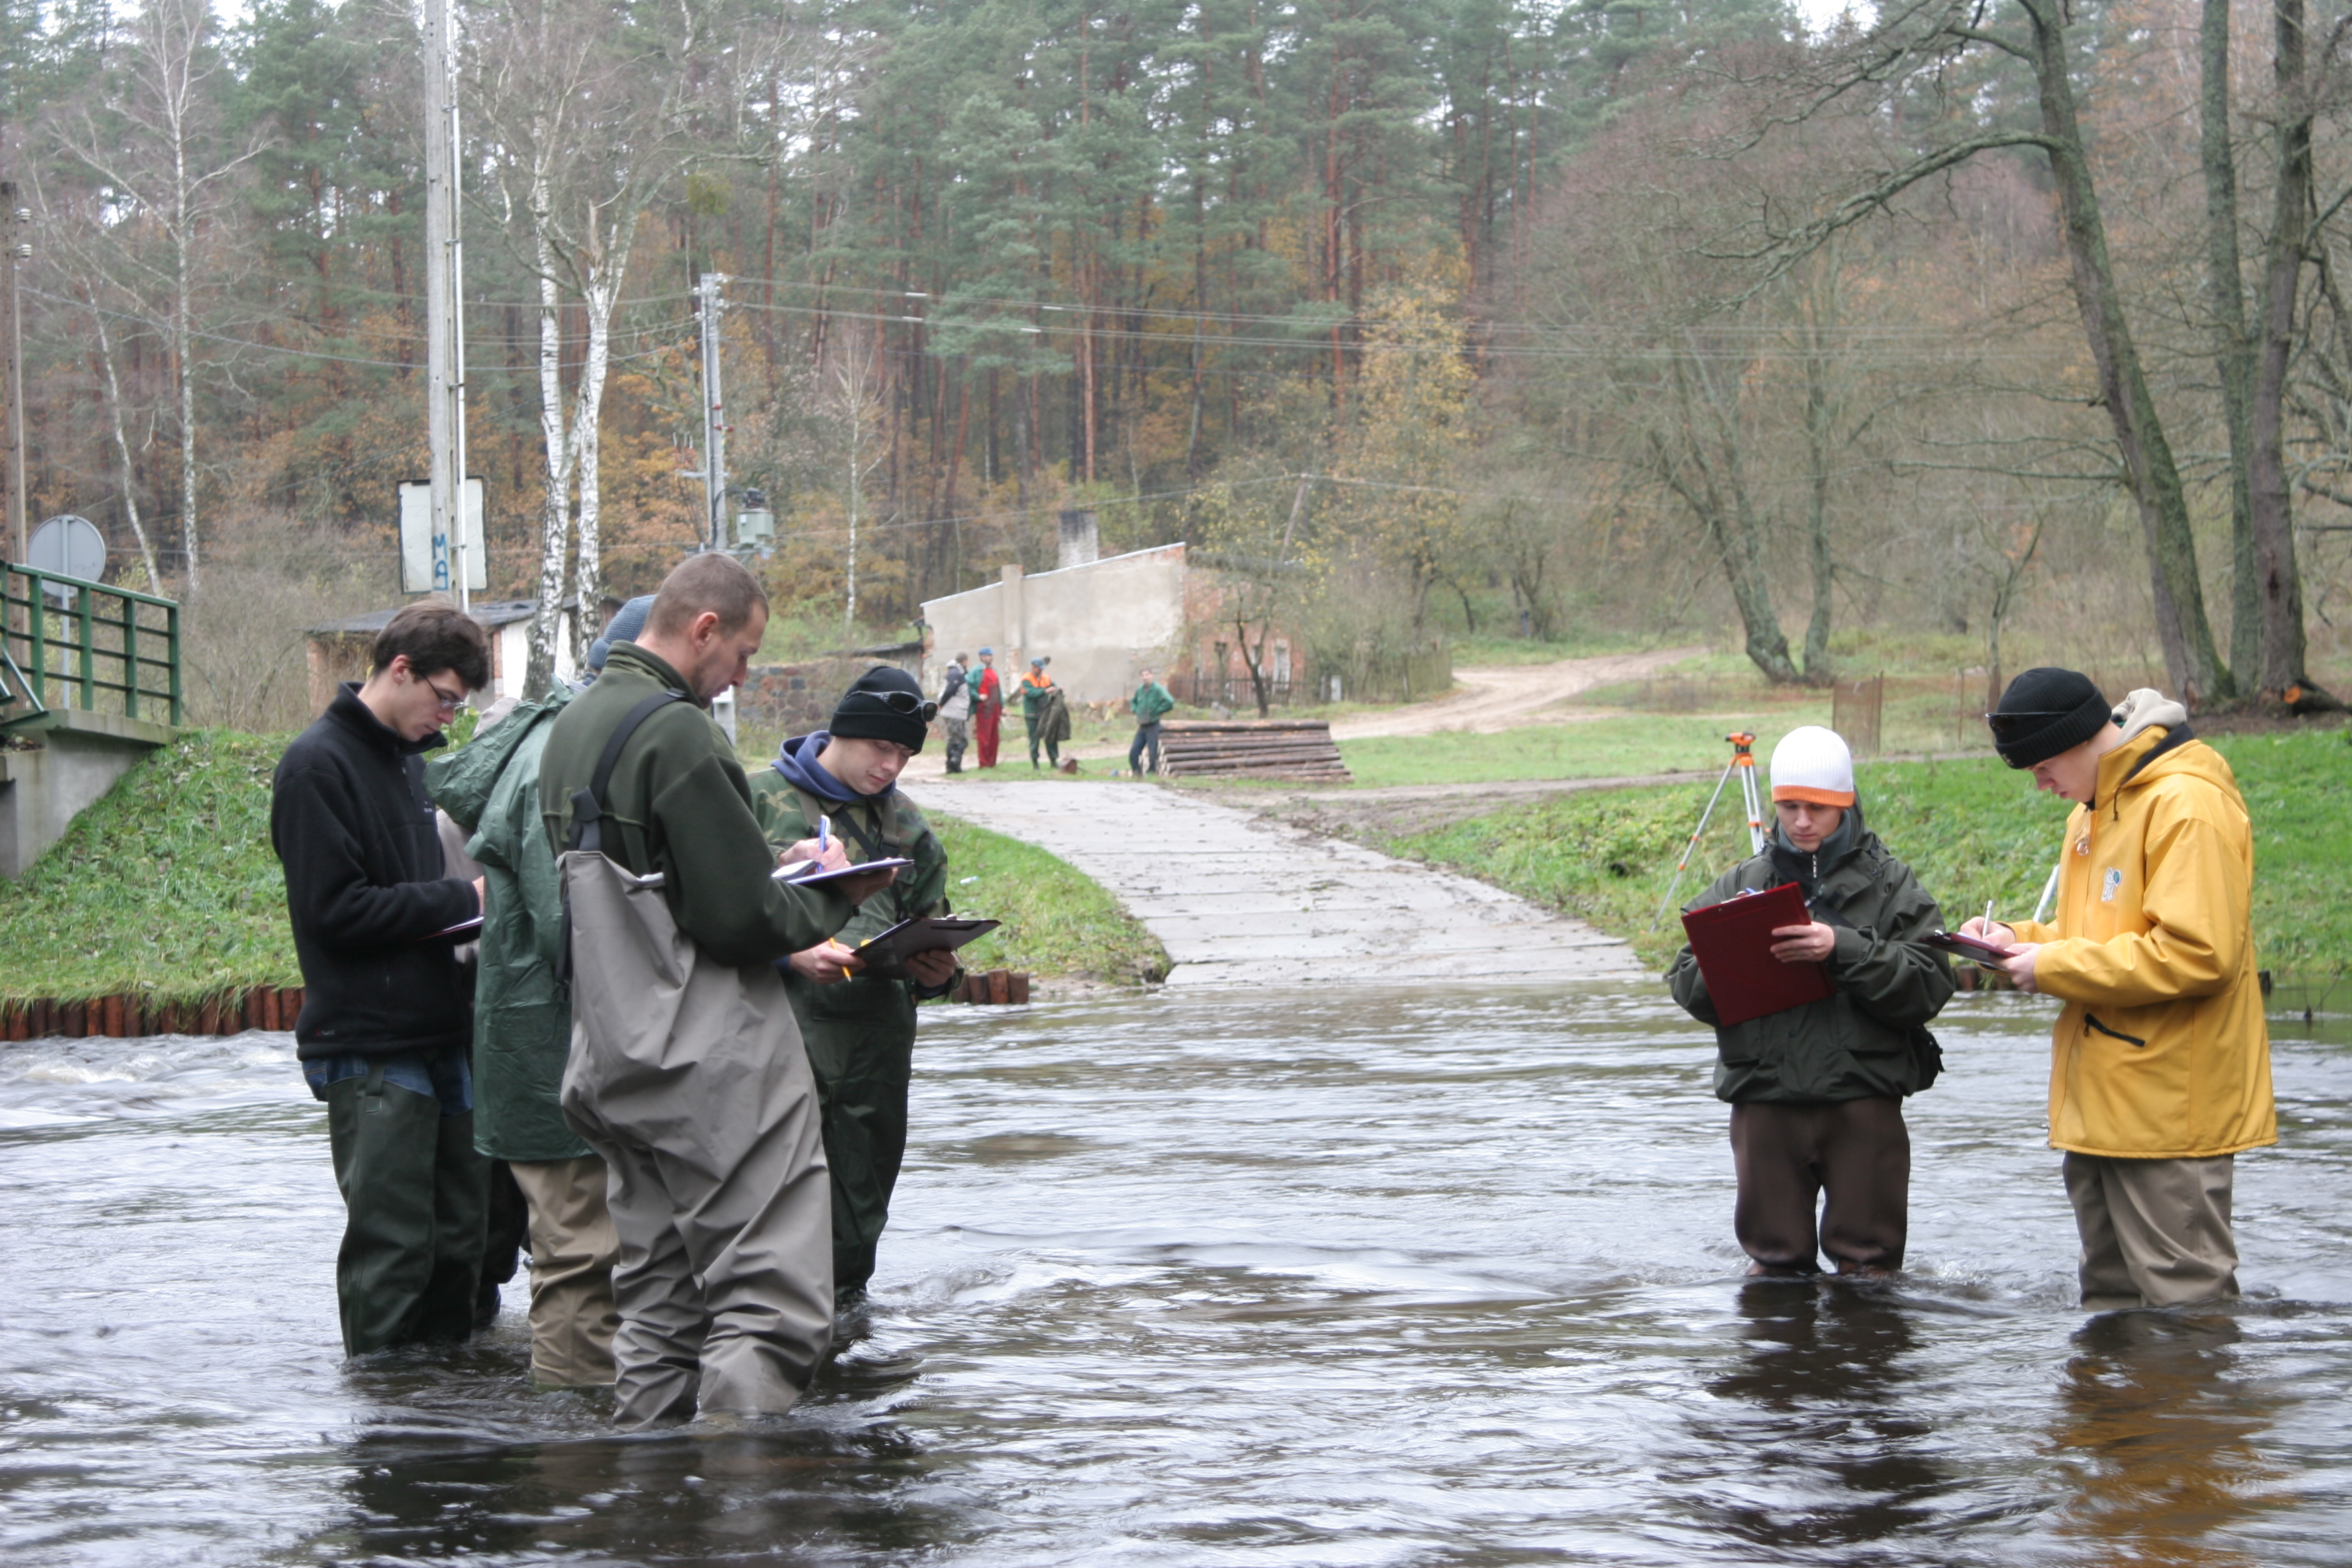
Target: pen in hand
[[1985, 929], [824, 838]]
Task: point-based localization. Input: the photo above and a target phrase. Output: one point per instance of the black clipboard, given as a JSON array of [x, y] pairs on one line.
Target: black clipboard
[[884, 954], [1959, 945]]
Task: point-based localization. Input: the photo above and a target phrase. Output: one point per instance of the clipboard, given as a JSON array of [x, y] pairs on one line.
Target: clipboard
[[1733, 943], [1975, 949], [884, 954], [799, 875]]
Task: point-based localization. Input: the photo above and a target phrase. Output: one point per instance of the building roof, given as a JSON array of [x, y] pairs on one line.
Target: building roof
[[491, 613]]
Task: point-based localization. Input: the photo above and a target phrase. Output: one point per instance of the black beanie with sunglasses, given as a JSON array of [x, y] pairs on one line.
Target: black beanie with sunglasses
[[2046, 712], [884, 704]]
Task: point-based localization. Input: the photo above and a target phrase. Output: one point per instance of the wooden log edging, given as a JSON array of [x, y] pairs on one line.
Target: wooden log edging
[[1274, 747], [132, 1013], [995, 987]]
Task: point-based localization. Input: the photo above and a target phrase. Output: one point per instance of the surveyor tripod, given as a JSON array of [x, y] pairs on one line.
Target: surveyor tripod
[[1743, 762]]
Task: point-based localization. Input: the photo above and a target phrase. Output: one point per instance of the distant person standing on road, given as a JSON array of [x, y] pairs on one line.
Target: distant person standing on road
[[2160, 1066], [1150, 703], [955, 712], [860, 1028], [987, 708], [385, 1026], [1817, 1091], [1045, 711]]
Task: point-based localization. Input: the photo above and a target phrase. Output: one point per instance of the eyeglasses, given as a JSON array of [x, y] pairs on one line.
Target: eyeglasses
[[448, 704], [906, 702]]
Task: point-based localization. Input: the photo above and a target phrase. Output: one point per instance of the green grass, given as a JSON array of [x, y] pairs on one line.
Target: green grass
[[168, 886], [1058, 921], [1595, 748], [1972, 830]]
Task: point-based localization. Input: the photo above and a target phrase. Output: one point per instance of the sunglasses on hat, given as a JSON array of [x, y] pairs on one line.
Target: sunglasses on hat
[[906, 703]]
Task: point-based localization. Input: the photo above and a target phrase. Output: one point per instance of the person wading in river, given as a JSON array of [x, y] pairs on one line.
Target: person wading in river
[[687, 1072], [2160, 1061], [1817, 1091], [384, 1028], [860, 1029]]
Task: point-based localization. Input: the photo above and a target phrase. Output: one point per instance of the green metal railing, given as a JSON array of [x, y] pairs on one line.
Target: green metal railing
[[59, 646]]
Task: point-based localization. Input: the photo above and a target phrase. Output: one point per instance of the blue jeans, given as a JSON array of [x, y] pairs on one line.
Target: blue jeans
[[1146, 735], [445, 1075]]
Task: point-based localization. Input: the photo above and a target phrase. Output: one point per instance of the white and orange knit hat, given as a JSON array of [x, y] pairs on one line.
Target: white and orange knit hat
[[1813, 763]]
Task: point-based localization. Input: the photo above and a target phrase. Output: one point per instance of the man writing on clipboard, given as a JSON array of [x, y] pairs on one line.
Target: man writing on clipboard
[[842, 783], [1817, 1091]]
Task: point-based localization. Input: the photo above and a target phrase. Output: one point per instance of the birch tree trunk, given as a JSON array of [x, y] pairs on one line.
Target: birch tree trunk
[[603, 292], [123, 451], [555, 523]]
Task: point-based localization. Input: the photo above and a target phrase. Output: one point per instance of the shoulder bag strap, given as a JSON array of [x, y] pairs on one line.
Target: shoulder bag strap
[[588, 805]]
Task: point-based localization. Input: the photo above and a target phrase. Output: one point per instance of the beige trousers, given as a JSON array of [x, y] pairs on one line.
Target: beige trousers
[[573, 1248], [2155, 1233]]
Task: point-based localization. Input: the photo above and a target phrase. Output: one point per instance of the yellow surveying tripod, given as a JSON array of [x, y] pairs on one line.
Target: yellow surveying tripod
[[1743, 762]]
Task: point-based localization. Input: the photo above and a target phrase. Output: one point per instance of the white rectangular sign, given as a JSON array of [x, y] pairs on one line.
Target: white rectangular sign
[[416, 540]]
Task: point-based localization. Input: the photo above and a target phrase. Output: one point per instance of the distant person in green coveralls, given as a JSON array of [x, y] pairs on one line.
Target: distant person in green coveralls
[[1150, 703]]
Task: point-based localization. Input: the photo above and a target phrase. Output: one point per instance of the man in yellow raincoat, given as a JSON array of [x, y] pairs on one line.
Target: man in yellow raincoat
[[2160, 1068]]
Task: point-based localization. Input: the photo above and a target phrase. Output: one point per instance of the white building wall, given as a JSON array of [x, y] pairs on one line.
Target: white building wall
[[1100, 623]]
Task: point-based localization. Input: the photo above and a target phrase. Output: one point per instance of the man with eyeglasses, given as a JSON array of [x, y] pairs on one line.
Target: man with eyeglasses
[[860, 1028], [385, 1025], [2160, 1069]]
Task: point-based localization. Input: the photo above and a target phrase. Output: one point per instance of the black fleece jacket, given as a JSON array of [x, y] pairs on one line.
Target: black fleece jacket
[[354, 831]]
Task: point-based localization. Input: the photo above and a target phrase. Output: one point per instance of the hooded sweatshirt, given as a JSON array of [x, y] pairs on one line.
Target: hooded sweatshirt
[[1866, 1039], [2162, 1051]]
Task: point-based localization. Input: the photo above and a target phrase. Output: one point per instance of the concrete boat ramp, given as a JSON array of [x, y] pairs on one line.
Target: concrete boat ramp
[[1240, 901]]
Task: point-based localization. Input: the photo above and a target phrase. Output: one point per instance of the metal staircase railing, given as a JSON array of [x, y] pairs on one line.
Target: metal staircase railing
[[61, 637]]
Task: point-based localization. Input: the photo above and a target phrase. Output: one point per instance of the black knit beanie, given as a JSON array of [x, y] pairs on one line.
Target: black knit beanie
[[864, 715], [2046, 712]]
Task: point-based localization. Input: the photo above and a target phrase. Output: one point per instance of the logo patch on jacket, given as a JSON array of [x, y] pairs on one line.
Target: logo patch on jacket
[[2110, 885]]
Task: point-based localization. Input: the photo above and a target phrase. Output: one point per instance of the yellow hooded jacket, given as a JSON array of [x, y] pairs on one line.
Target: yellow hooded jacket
[[2162, 1051]]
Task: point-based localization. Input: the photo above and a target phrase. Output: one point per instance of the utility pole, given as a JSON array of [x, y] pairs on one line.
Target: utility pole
[[714, 423], [14, 248], [445, 320]]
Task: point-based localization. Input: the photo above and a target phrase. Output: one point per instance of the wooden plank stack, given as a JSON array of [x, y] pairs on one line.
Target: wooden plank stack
[[1247, 749]]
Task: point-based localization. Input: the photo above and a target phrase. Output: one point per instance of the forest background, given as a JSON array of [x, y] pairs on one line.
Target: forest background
[[1962, 334]]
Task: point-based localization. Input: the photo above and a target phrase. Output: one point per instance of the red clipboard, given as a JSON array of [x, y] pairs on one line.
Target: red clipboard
[[1733, 943]]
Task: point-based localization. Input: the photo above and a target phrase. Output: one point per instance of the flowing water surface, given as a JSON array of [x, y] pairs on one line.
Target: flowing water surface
[[1338, 1276]]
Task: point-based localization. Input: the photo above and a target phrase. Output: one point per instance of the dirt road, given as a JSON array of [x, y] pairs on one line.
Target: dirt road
[[1492, 698]]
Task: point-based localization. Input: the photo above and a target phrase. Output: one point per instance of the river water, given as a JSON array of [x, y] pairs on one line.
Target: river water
[[1325, 1278]]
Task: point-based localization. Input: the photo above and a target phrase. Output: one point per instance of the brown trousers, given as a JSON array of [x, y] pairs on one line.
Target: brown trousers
[[573, 1249], [1857, 1152], [2155, 1233]]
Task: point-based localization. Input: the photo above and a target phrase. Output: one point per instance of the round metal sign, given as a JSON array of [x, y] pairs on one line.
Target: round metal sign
[[69, 546]]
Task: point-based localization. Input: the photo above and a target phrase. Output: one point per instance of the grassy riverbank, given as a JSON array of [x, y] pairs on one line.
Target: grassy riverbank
[[1973, 829], [168, 887]]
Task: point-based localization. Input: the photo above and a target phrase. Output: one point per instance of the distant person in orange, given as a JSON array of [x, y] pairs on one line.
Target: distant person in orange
[[987, 708]]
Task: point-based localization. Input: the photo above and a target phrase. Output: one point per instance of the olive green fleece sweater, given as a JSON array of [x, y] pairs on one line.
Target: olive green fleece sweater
[[678, 804]]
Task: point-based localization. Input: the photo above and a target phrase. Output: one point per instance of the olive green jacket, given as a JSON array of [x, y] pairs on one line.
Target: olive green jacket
[[1868, 1038], [873, 827], [678, 804], [522, 1012]]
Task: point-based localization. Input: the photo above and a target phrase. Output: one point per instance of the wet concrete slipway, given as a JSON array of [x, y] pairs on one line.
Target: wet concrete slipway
[[1332, 1276]]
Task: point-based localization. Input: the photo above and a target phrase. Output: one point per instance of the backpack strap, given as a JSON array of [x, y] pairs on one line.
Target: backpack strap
[[588, 805]]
